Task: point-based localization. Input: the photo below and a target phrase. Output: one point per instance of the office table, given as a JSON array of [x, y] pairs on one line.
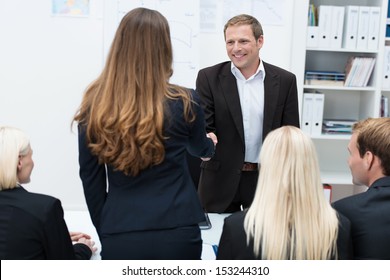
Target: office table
[[81, 221]]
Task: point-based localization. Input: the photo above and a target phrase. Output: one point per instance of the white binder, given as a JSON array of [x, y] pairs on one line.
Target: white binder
[[386, 69], [350, 27], [312, 37], [307, 112], [373, 28], [324, 23], [362, 34], [336, 28], [318, 112]]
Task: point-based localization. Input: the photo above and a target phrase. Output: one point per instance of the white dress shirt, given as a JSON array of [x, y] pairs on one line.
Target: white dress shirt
[[251, 92]]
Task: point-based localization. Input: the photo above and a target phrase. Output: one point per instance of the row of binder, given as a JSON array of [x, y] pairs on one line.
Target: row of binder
[[339, 126], [324, 78], [358, 71], [313, 122], [312, 113], [349, 27]]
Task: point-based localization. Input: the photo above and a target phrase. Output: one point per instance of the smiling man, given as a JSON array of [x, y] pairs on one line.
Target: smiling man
[[243, 99]]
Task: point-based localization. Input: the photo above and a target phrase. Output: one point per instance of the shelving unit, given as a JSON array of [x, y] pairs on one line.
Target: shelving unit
[[386, 91], [344, 102]]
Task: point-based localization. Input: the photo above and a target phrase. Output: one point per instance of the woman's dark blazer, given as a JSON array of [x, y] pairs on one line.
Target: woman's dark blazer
[[160, 197], [233, 245], [32, 227]]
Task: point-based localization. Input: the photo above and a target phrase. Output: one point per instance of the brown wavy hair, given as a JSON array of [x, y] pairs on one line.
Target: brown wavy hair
[[123, 109]]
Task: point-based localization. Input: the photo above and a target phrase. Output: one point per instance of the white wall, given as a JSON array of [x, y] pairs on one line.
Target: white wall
[[46, 62]]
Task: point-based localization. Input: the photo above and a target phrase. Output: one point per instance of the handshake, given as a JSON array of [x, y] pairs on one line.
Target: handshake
[[215, 141]]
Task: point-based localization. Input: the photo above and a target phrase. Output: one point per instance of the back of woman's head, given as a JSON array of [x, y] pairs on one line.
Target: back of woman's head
[[123, 110], [142, 47], [13, 143], [290, 217], [288, 159]]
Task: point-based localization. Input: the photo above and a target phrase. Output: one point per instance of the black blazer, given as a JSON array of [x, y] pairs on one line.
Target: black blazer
[[369, 213], [160, 197], [217, 87], [233, 245], [33, 227]]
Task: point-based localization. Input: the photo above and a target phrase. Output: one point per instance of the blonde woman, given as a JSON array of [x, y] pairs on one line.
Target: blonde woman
[[134, 131], [290, 217], [32, 224]]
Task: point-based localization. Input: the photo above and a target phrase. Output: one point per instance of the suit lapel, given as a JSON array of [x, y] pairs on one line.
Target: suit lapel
[[230, 92], [271, 96]]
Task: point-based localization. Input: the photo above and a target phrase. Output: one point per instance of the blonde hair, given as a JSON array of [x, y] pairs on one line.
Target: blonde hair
[[290, 217], [13, 143], [123, 110]]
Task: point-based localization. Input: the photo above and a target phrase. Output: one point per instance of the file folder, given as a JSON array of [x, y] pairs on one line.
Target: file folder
[[351, 69], [324, 24], [307, 112], [373, 28], [369, 70], [312, 36], [362, 34], [351, 21], [336, 28], [386, 69], [317, 115]]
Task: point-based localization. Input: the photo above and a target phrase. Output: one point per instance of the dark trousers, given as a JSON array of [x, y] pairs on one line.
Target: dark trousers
[[184, 243], [245, 192]]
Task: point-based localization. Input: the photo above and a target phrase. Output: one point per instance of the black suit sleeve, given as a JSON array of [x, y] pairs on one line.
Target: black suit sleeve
[[225, 244], [93, 177], [344, 239], [82, 251], [58, 245], [291, 108], [199, 144]]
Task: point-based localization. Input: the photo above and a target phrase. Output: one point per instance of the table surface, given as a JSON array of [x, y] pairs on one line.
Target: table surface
[[81, 221]]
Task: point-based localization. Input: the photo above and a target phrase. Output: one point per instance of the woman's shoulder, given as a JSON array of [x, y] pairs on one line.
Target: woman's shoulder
[[34, 203]]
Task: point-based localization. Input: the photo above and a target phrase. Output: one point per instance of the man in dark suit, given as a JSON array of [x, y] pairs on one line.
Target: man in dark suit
[[369, 212], [243, 99]]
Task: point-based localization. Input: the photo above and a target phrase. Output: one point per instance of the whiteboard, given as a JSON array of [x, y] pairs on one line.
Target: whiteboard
[[188, 20]]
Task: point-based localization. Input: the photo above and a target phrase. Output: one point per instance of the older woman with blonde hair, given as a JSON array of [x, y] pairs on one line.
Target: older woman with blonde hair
[[32, 225], [290, 217]]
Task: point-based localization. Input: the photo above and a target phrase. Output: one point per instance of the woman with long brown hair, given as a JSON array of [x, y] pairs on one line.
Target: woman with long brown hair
[[134, 130]]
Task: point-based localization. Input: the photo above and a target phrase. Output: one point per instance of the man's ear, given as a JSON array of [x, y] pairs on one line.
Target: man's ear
[[369, 159]]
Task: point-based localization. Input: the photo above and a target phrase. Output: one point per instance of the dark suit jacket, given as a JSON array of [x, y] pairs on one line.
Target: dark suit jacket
[[32, 227], [233, 244], [369, 213], [160, 197], [217, 87]]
